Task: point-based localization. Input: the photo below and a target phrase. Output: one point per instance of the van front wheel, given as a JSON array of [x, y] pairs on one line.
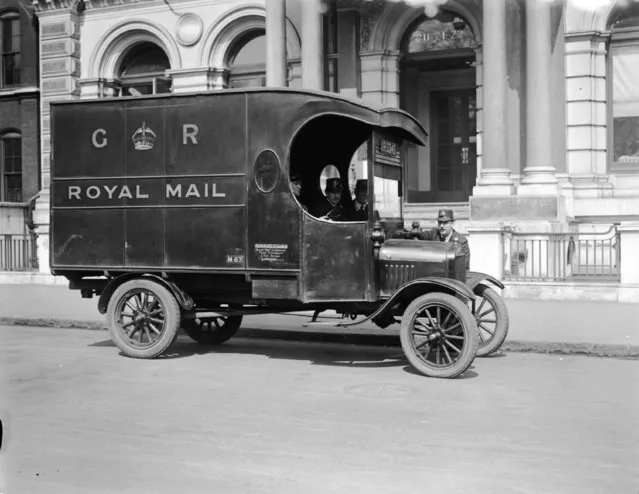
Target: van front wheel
[[439, 335]]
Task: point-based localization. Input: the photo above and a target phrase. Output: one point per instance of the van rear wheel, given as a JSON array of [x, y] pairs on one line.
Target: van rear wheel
[[439, 335], [213, 330], [491, 315], [143, 318]]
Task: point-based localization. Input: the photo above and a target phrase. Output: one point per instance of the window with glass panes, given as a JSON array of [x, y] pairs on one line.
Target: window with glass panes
[[623, 88], [10, 168], [143, 71], [248, 63], [9, 49]]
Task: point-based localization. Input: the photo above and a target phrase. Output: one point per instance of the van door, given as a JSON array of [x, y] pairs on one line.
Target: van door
[[337, 256]]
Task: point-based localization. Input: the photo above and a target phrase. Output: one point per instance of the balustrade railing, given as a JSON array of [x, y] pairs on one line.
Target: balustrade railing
[[18, 252], [563, 256]]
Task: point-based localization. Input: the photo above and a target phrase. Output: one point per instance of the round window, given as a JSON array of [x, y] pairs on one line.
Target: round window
[[329, 171], [266, 171]]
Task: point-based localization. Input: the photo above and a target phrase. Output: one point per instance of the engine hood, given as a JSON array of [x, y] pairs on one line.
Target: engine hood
[[401, 250]]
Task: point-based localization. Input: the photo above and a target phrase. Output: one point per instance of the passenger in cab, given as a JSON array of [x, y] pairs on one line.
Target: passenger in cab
[[296, 186], [358, 210], [330, 207]]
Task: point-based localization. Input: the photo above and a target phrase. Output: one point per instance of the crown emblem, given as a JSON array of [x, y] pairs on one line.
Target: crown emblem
[[143, 138]]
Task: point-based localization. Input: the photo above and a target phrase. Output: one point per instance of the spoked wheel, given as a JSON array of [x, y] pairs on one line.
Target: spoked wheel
[[439, 335], [143, 318], [213, 330], [492, 320]]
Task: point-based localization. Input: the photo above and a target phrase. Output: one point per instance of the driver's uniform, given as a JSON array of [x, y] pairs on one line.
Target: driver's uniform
[[433, 234]]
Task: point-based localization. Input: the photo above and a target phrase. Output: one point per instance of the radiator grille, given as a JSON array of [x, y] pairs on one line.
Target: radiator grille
[[395, 275]]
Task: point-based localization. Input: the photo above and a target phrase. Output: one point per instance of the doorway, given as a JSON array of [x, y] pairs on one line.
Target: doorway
[[438, 85], [453, 144]]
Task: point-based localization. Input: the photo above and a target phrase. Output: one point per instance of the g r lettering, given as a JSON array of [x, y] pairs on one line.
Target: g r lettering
[[74, 192], [189, 131], [103, 141]]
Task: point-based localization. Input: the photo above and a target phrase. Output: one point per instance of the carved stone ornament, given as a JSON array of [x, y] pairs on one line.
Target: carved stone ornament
[[370, 12], [80, 6], [188, 29]]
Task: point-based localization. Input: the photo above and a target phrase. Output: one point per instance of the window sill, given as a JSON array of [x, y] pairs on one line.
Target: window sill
[[18, 91], [621, 168]]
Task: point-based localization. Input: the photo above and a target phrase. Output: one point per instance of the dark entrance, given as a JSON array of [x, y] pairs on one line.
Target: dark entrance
[[438, 86], [454, 144]]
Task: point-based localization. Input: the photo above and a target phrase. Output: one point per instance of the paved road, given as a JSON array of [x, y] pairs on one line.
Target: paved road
[[530, 320], [260, 416]]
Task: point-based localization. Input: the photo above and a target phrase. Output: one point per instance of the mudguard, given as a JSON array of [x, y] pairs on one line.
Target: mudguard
[[474, 278], [183, 298], [411, 290]]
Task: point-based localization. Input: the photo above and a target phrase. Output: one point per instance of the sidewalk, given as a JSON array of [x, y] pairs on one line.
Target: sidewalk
[[595, 328]]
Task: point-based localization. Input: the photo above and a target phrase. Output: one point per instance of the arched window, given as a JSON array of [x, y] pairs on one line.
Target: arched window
[[247, 62], [9, 49], [10, 167], [143, 71], [623, 87]]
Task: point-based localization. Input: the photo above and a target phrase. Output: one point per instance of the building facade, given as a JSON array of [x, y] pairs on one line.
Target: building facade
[[19, 113], [532, 107]]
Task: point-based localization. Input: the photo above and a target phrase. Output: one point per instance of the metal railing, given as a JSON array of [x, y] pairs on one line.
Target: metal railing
[[563, 256], [18, 252]]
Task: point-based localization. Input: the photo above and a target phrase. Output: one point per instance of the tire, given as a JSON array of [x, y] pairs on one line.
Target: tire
[[212, 330], [492, 330], [454, 324], [143, 318]]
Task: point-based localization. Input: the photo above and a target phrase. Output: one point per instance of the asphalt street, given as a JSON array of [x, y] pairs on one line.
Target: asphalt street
[[262, 416], [531, 321]]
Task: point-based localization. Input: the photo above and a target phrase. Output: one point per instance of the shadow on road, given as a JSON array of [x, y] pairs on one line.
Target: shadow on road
[[325, 354]]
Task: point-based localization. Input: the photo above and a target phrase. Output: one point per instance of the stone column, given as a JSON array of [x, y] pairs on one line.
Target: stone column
[[60, 70], [539, 174], [495, 174], [276, 43], [312, 44]]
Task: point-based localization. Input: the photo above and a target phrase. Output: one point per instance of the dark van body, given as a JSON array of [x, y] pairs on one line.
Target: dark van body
[[192, 193]]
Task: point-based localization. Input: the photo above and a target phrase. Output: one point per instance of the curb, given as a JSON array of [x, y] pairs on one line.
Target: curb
[[549, 348]]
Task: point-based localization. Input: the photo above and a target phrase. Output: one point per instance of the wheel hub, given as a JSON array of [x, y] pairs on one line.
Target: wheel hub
[[140, 318]]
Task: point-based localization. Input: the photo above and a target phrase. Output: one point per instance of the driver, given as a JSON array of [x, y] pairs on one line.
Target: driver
[[446, 233], [330, 207]]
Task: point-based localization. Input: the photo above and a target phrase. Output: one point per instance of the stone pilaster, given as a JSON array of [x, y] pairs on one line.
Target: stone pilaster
[[60, 70], [586, 118], [380, 77], [218, 79], [189, 80], [479, 106], [629, 268], [295, 73]]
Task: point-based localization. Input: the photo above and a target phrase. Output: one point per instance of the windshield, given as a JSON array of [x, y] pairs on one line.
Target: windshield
[[387, 197], [388, 178]]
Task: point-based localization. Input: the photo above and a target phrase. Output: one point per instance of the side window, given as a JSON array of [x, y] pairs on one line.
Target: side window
[[10, 167], [9, 49]]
